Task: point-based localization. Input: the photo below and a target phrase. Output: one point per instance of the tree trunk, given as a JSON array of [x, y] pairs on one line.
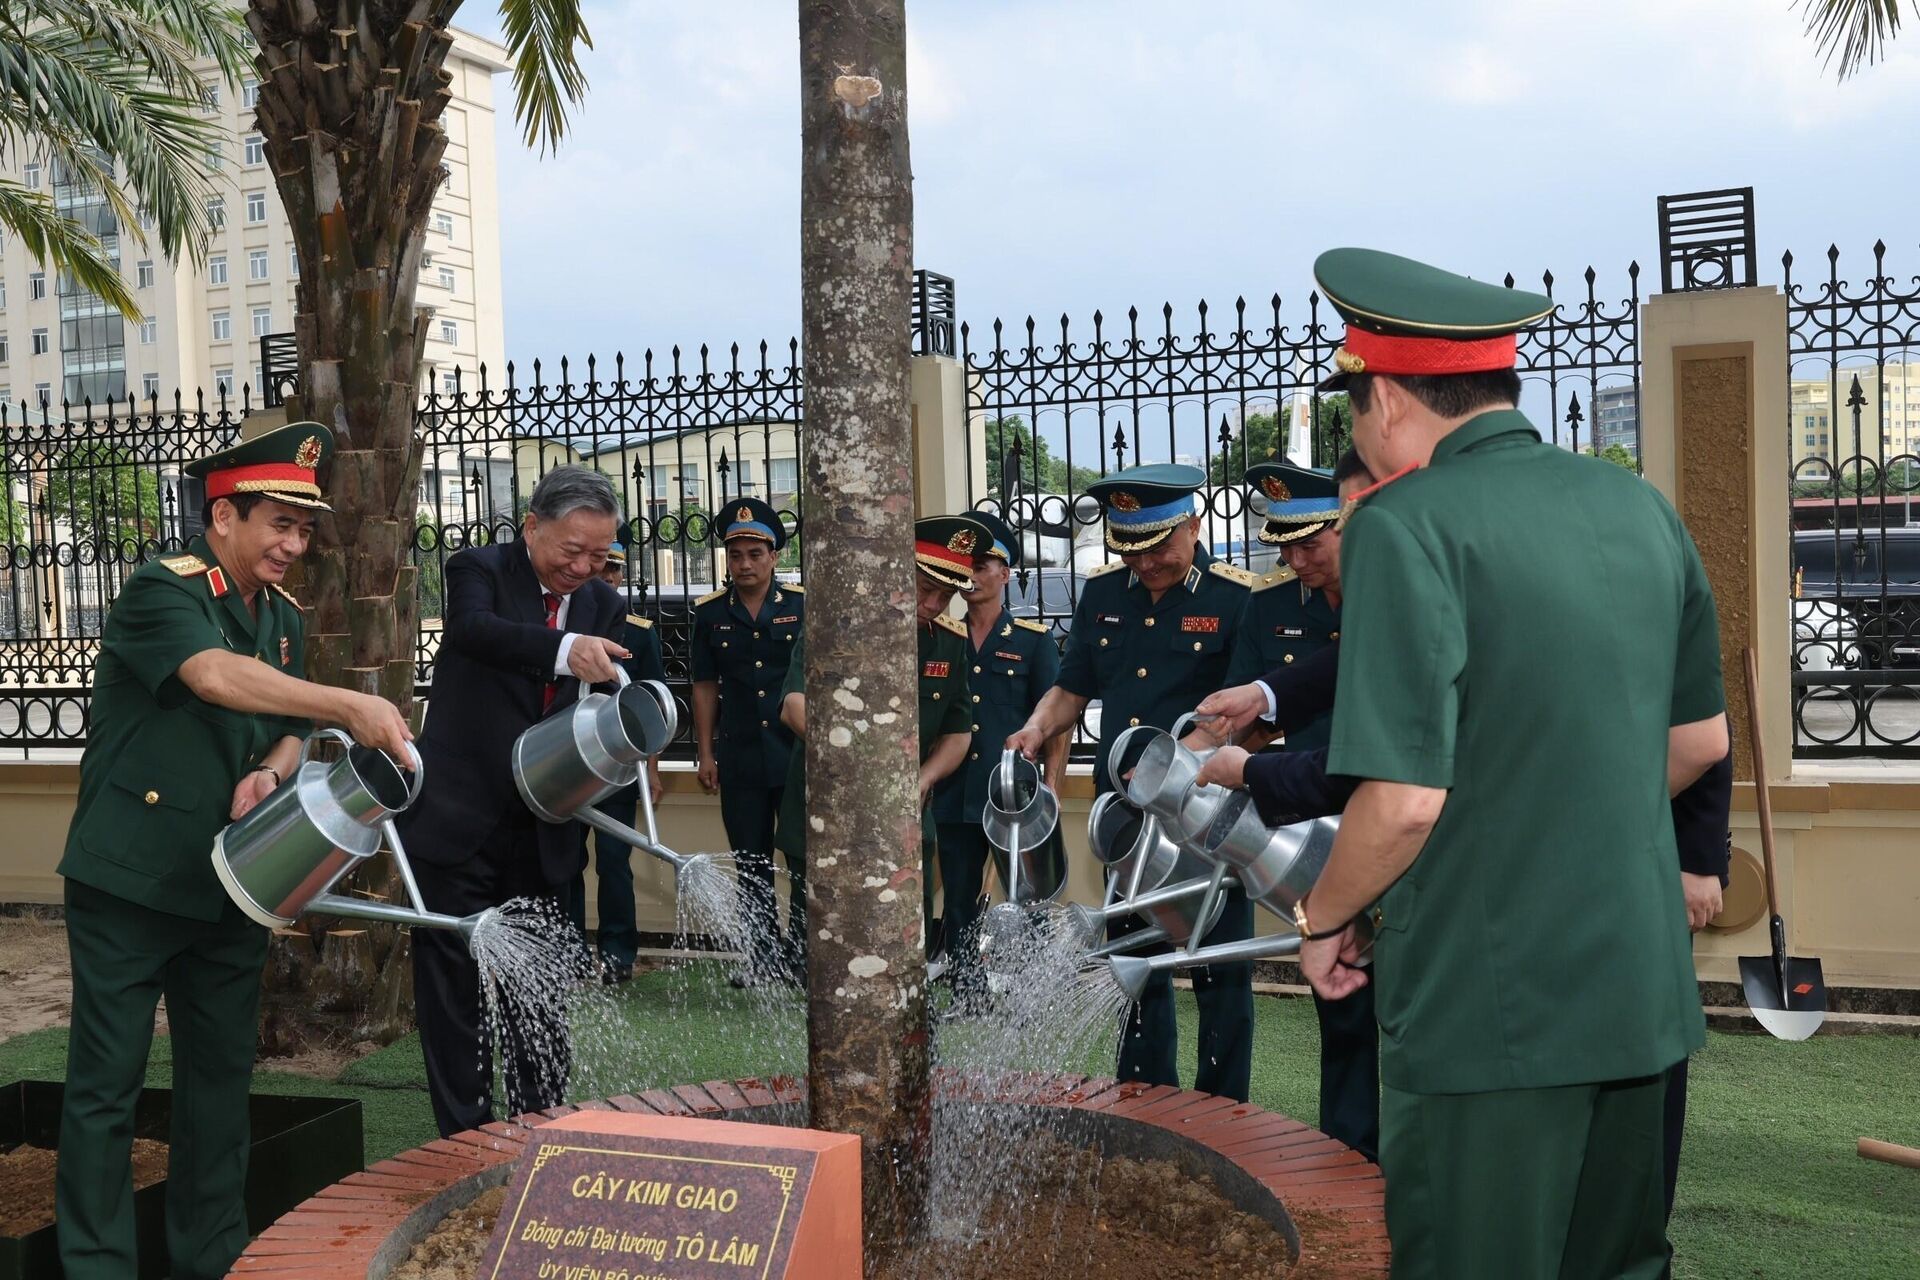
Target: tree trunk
[[351, 98], [868, 1052]]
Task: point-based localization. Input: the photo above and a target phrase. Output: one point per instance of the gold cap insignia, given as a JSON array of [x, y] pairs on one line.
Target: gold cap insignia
[[962, 542], [308, 454], [1276, 488], [1124, 502], [745, 514], [1347, 362]]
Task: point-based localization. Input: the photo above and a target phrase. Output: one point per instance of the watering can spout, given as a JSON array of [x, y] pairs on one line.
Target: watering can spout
[[1085, 922], [1130, 974]]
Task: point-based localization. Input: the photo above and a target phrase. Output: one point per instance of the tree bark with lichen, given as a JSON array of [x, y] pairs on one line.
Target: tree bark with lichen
[[868, 1051]]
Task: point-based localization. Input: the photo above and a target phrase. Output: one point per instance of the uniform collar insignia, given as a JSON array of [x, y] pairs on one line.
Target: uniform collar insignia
[[1193, 576], [1007, 630]]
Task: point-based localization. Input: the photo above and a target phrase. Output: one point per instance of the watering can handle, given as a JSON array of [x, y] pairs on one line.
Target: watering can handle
[[306, 747], [620, 676], [419, 778], [415, 782], [1185, 718], [1118, 750]]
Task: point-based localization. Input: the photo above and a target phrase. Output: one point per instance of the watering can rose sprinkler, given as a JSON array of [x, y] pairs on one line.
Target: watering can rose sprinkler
[[284, 857]]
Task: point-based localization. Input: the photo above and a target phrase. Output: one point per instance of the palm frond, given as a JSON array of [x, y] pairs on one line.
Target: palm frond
[[47, 234], [1853, 33], [545, 37]]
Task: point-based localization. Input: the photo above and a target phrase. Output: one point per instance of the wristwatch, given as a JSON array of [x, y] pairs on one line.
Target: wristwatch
[[267, 768]]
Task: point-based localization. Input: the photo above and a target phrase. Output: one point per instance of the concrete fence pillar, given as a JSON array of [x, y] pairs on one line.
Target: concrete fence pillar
[[949, 462], [1713, 438]]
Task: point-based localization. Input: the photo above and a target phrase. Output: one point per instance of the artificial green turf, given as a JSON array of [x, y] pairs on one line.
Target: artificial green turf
[[1770, 1186]]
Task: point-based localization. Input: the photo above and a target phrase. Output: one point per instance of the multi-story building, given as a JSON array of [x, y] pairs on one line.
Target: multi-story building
[[1616, 418], [1821, 417], [202, 324]]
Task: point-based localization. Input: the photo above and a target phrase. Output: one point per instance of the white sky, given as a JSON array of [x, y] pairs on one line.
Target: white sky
[[1080, 154]]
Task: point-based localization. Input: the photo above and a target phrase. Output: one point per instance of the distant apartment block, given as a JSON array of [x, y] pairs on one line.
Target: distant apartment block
[[1822, 423]]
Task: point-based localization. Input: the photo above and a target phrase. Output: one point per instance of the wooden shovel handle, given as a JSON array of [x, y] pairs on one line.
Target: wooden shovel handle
[[1760, 789], [1889, 1153]]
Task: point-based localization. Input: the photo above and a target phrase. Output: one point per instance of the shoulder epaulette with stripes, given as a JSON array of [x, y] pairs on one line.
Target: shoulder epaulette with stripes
[[951, 623], [645, 624], [1274, 577], [1104, 569], [288, 597], [1233, 573], [1031, 625], [185, 565], [793, 586], [711, 596]]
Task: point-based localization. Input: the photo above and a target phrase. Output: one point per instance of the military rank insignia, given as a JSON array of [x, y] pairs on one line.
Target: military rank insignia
[[307, 456], [1276, 489], [1124, 502], [286, 650], [935, 670], [792, 617], [1010, 657], [1202, 626], [961, 541], [217, 582]]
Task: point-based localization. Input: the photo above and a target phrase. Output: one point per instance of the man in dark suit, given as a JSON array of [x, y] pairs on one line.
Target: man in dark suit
[[526, 624]]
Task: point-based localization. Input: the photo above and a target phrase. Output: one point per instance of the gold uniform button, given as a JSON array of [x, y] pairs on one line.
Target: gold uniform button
[[1148, 621], [976, 671], [762, 692], [1334, 636], [936, 697], [1142, 673], [976, 729], [1103, 642], [763, 724], [1378, 917], [153, 797], [975, 755], [976, 698], [1133, 722], [758, 663], [1196, 646], [1287, 658]]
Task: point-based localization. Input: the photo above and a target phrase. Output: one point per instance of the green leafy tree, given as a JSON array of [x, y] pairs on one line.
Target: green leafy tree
[[1260, 440], [1054, 475], [1617, 454], [100, 491], [107, 93]]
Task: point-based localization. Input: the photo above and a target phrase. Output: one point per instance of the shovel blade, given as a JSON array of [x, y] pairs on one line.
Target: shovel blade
[[1804, 1006]]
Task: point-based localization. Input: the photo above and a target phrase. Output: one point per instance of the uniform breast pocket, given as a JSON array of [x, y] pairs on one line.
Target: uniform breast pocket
[[1392, 920], [1107, 641], [1002, 683], [1201, 636], [146, 813]]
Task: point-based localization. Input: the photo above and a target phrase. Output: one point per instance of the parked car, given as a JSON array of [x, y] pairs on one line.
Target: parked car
[[1856, 598]]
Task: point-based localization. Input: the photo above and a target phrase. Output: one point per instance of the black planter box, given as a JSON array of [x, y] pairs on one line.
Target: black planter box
[[299, 1146]]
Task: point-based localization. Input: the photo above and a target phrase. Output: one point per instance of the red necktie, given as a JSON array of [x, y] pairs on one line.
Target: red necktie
[[553, 623]]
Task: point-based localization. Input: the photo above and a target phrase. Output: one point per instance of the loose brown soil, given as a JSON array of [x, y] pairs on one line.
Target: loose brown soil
[[26, 1183], [1118, 1220]]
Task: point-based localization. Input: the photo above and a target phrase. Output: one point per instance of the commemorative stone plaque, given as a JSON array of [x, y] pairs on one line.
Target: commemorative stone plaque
[[607, 1195]]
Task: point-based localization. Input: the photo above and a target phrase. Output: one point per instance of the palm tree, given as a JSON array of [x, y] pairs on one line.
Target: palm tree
[[351, 100], [1854, 33], [103, 89]]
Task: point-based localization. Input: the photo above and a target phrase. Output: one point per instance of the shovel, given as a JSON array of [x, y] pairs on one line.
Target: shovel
[[1788, 994]]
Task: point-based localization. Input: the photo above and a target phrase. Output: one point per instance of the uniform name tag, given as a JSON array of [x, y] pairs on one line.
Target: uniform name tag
[[936, 670], [1010, 657], [1112, 619], [794, 617], [1290, 633], [1205, 626]]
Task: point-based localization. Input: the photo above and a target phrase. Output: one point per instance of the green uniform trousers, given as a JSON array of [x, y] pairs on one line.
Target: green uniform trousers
[[125, 956], [1531, 1183]]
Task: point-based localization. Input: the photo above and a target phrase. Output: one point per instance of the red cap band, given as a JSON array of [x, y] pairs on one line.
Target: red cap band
[[1384, 353], [944, 556], [262, 477]]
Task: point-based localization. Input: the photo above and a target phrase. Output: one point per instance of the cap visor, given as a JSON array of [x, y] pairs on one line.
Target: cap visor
[[1332, 383], [1280, 534], [1148, 542], [294, 500]]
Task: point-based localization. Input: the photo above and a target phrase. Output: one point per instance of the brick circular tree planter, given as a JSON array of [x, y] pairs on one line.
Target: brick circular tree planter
[[1266, 1164]]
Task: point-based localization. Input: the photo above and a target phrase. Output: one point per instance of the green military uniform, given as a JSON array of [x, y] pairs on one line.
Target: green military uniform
[[1522, 626], [1148, 663], [1286, 621], [1009, 673], [618, 935], [146, 915], [944, 703], [747, 654]]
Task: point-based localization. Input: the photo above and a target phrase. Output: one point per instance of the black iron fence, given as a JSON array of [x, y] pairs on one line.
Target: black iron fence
[[93, 491]]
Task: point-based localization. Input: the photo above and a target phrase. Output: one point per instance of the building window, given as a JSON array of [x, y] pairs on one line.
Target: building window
[[250, 92], [426, 261], [3, 295], [31, 173], [143, 275], [222, 327], [36, 286], [149, 331], [223, 380], [450, 384], [293, 261], [446, 278], [449, 331], [217, 269], [443, 222], [149, 386], [43, 394], [41, 342], [255, 150], [3, 348], [256, 208], [256, 264], [217, 213], [783, 480], [259, 376], [6, 397], [210, 96], [1809, 436], [262, 321], [146, 220], [216, 157]]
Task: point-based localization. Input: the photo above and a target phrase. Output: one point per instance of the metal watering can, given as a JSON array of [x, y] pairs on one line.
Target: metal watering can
[[1163, 783], [283, 857], [1019, 819], [1277, 865], [1130, 973], [565, 763], [1164, 883]]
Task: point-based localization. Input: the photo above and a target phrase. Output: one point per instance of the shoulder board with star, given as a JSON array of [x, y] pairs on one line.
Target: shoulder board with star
[[1031, 625], [711, 596], [951, 623], [645, 624], [288, 597], [1233, 573], [186, 566], [1274, 578], [1109, 567]]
